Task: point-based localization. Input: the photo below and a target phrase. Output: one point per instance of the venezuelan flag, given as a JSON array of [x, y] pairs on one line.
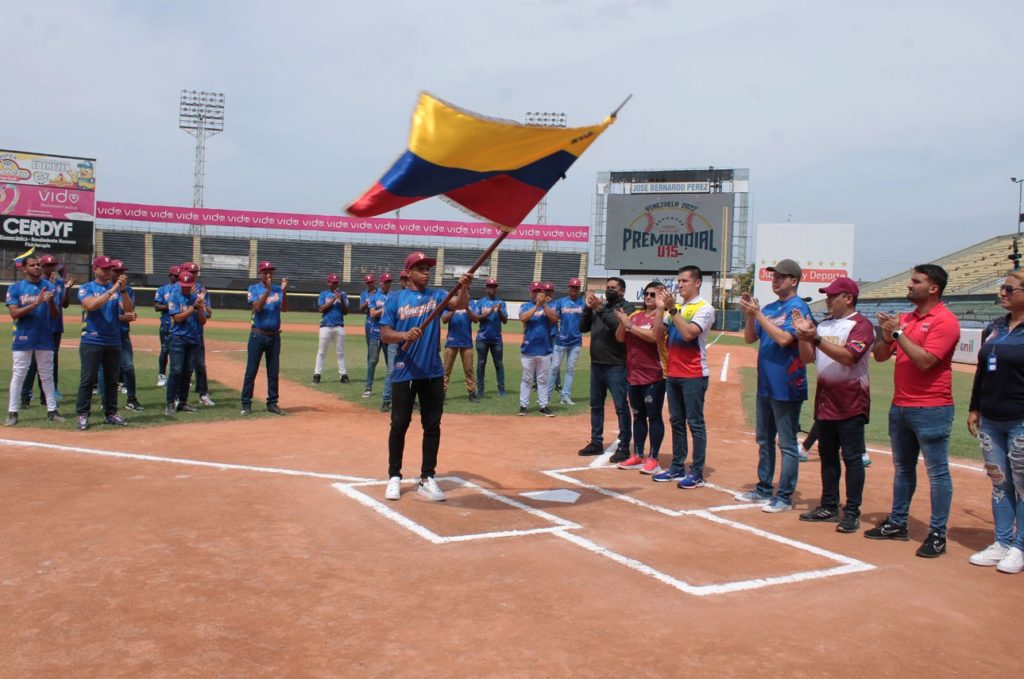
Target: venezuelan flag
[[496, 169], [20, 259]]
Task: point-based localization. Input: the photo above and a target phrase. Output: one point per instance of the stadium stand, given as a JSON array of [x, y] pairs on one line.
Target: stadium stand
[[129, 247]]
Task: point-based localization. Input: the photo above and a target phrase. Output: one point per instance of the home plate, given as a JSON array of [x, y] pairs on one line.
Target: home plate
[[560, 495]]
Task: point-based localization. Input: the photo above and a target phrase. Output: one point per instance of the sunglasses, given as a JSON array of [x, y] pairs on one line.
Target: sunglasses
[[1009, 289], [650, 294]]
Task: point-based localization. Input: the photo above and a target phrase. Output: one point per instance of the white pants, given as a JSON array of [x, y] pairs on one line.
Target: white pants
[[534, 368], [326, 333], [44, 362]]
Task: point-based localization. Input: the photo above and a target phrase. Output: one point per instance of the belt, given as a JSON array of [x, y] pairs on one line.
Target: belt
[[268, 333]]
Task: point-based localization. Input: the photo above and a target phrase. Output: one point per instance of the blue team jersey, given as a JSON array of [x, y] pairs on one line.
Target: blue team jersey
[[189, 330], [58, 299], [460, 328], [126, 327], [269, 318], [569, 314], [781, 375], [161, 296], [198, 289], [333, 317], [34, 330], [536, 333], [490, 327], [101, 326], [404, 311]]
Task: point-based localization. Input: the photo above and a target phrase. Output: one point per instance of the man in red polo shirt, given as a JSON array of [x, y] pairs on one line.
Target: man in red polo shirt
[[921, 415]]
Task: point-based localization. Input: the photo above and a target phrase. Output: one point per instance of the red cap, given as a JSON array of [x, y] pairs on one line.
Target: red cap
[[190, 266], [187, 279], [332, 278], [265, 266], [47, 260], [535, 286], [117, 265], [574, 283], [418, 258], [174, 271], [548, 287], [385, 278], [102, 262], [491, 283], [369, 278], [840, 285], [404, 274]]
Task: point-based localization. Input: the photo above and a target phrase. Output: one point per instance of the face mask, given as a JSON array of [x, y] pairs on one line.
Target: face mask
[[611, 295]]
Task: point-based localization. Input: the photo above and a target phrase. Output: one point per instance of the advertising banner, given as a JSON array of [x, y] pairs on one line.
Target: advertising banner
[[823, 251], [37, 169], [666, 231], [46, 201], [335, 223]]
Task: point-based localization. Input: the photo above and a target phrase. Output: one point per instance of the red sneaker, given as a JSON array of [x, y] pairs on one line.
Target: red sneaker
[[632, 462], [651, 467]]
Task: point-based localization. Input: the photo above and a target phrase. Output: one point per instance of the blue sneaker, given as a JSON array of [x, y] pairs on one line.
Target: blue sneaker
[[691, 481], [669, 475], [777, 505], [753, 496]]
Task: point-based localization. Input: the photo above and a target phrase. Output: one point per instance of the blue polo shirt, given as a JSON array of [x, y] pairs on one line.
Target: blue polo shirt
[[404, 311], [161, 296], [536, 333], [569, 314], [190, 330], [58, 323], [34, 330], [126, 327], [460, 329], [101, 326], [269, 318], [781, 375], [333, 317], [490, 327]]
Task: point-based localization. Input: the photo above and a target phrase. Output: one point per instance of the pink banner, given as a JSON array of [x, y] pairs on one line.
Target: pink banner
[[335, 223], [47, 202]]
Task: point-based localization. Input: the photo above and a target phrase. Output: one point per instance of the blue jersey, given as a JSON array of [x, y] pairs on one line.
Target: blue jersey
[[101, 326], [460, 329], [333, 317], [189, 330], [161, 296], [34, 330], [490, 327], [369, 298], [404, 311], [126, 327], [781, 375], [536, 333], [569, 314], [58, 299], [269, 318]]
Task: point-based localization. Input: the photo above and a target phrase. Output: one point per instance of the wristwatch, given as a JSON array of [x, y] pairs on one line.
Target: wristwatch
[[817, 341], [896, 334], [673, 311]]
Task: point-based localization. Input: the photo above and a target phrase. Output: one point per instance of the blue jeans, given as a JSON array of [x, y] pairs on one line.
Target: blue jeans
[[165, 339], [571, 355], [603, 379], [202, 382], [842, 438], [915, 431], [646, 402], [1002, 445], [183, 357], [390, 353], [497, 351], [686, 408], [782, 419], [373, 350], [261, 345]]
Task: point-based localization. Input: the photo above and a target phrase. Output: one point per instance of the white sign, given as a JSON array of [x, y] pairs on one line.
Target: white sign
[[671, 187], [226, 262], [823, 251], [968, 346]]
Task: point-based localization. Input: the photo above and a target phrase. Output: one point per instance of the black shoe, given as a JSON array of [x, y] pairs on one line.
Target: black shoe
[[621, 454], [887, 530], [246, 411], [848, 524], [820, 514], [473, 398], [523, 410], [591, 449], [934, 545], [12, 419], [170, 410], [546, 411], [133, 404], [116, 420], [385, 407], [186, 408], [273, 408], [316, 379], [54, 416], [344, 379], [26, 402]]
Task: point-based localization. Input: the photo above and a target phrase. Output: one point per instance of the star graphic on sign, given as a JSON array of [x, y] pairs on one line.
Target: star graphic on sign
[[831, 263], [821, 263], [842, 264]]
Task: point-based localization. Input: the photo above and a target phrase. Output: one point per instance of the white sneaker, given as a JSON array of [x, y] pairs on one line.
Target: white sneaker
[[206, 400], [161, 381], [866, 460], [990, 556], [394, 490], [429, 489], [1013, 562], [776, 505], [566, 401], [752, 496]]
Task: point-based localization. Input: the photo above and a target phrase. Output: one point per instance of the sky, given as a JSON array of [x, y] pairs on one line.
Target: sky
[[903, 118]]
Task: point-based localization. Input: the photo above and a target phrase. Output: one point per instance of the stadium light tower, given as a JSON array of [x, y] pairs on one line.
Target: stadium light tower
[[543, 119], [201, 114], [1020, 201]]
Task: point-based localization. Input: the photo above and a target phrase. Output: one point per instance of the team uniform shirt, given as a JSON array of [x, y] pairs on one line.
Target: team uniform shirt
[[781, 375], [333, 317], [938, 333], [645, 361], [189, 330], [569, 313], [373, 300], [460, 329], [34, 330], [406, 310], [58, 299], [269, 318], [998, 391], [844, 391], [161, 297], [536, 333], [490, 327], [126, 327], [198, 289], [101, 326], [689, 358]]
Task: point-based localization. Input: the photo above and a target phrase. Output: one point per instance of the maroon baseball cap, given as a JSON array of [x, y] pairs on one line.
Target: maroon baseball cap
[[102, 262], [404, 274], [266, 266], [187, 279], [535, 286], [574, 283], [332, 278], [385, 278], [174, 271], [117, 265], [47, 260], [190, 266], [548, 287], [841, 285], [491, 283], [418, 258], [369, 278]]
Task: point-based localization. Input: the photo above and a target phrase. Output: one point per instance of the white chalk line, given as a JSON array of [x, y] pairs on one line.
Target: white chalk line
[[183, 461], [603, 457], [724, 377]]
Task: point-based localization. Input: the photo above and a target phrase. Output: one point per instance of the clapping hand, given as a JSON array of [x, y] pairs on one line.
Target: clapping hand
[[284, 284], [804, 326], [593, 301], [750, 305]]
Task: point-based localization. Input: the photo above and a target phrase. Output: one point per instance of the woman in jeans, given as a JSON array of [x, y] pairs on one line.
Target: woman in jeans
[[997, 419], [644, 335]]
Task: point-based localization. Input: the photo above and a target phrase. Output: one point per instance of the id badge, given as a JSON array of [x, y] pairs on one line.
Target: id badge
[[992, 363]]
